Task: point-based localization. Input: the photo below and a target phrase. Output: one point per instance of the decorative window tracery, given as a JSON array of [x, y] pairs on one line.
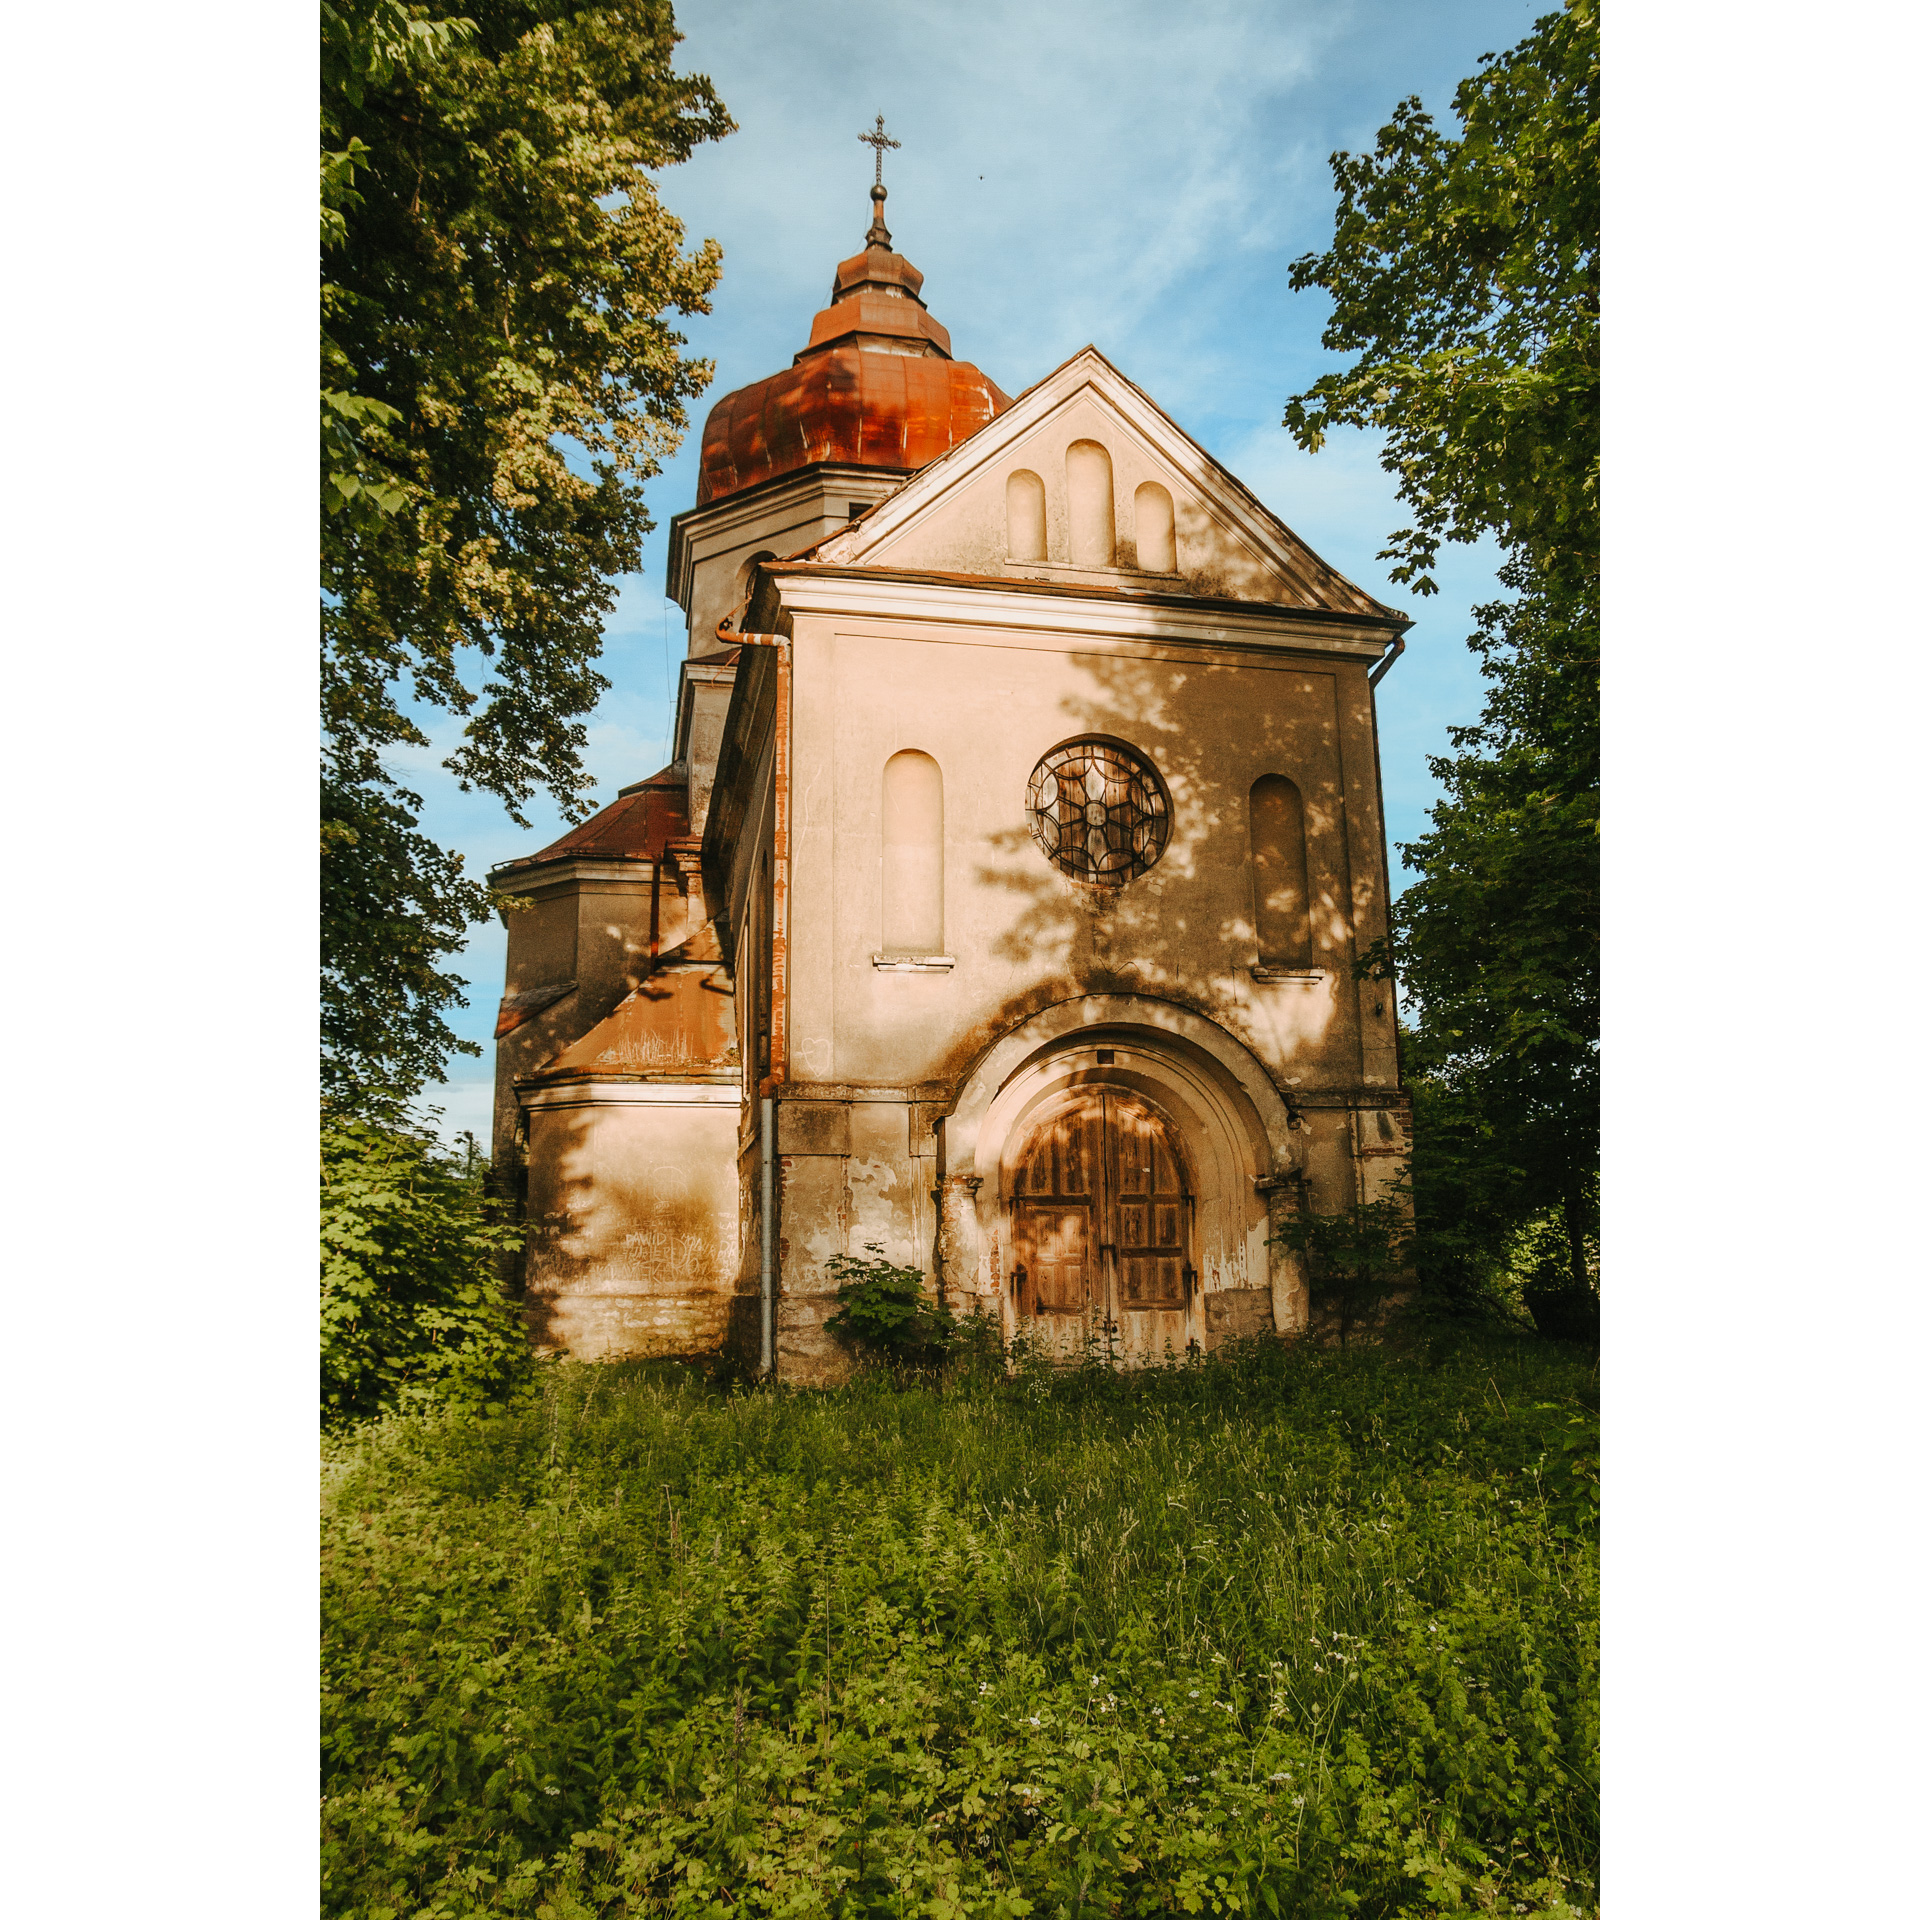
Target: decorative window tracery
[[1099, 811]]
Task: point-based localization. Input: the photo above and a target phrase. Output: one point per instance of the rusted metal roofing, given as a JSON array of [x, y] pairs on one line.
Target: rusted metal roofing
[[678, 1023], [847, 404], [637, 826], [852, 395]]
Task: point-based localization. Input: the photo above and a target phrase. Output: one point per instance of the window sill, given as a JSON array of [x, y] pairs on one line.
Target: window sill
[[1282, 976], [913, 962]]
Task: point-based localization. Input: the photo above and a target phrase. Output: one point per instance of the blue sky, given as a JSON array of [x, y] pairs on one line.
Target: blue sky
[[1138, 176]]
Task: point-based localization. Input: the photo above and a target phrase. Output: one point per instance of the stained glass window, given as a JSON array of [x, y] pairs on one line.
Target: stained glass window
[[1099, 810]]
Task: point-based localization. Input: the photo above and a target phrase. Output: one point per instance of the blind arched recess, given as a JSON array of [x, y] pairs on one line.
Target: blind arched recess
[[912, 855], [1281, 918]]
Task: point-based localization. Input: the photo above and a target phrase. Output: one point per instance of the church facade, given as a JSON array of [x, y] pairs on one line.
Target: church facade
[[999, 906]]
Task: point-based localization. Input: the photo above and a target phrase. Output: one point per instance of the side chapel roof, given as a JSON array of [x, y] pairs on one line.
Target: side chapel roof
[[636, 826], [678, 1023]]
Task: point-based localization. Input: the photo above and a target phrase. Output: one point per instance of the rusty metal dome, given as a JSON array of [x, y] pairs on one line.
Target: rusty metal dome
[[875, 386]]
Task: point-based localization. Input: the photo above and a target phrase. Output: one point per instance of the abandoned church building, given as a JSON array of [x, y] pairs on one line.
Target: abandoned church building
[[1000, 903]]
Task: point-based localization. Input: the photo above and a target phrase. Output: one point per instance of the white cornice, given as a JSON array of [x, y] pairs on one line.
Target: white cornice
[[996, 606], [548, 874], [634, 1093]]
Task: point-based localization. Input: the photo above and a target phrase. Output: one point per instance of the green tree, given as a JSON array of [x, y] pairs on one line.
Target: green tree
[[498, 377], [409, 1307], [1465, 275]]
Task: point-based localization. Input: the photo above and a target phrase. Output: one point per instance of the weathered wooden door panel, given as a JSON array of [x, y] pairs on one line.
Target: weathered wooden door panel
[[1155, 1336], [1054, 1251], [1101, 1224]]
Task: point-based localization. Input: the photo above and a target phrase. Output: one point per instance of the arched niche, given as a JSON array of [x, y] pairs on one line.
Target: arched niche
[[1089, 504], [1153, 541], [912, 855], [1282, 918], [743, 581], [1026, 516]]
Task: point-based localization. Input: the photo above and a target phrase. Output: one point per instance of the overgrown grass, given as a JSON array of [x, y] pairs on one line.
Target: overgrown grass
[[1295, 1633]]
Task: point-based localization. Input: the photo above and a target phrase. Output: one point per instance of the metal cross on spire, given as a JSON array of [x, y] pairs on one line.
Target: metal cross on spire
[[878, 141]]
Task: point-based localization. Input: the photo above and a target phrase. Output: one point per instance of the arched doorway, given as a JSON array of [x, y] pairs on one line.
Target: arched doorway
[[1102, 1217], [1231, 1135]]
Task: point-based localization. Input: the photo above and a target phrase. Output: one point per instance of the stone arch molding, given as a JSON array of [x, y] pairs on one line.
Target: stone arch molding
[[1233, 1123]]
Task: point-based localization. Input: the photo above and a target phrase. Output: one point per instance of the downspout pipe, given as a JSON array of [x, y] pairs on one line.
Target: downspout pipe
[[1384, 665], [767, 1240], [1375, 674]]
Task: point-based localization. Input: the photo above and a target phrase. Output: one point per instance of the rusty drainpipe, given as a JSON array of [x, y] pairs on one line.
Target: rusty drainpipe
[[1375, 674], [776, 985], [766, 1236]]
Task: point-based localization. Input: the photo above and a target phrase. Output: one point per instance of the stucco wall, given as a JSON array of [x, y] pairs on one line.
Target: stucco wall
[[1022, 938], [1019, 931], [632, 1211]]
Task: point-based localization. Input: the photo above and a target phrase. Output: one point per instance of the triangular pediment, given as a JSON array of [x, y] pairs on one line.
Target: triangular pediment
[[978, 511]]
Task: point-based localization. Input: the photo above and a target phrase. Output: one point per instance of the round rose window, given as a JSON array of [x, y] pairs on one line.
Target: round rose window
[[1099, 810]]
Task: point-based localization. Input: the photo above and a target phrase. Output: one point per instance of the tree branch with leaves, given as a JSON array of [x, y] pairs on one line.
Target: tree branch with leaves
[[499, 377], [1465, 276]]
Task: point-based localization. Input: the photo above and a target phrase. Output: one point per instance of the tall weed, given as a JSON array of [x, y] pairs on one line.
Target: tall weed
[[1294, 1633]]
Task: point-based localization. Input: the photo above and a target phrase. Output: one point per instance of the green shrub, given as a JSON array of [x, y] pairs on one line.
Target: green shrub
[[410, 1308], [1298, 1633], [887, 1309], [1355, 1260], [1558, 1291]]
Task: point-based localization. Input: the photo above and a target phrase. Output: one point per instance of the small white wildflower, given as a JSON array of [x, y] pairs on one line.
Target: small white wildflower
[[1189, 1779], [1035, 1721], [553, 1790], [1299, 1799]]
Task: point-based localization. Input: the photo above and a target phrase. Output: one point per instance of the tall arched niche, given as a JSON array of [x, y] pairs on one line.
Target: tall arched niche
[[1089, 504], [1153, 541], [912, 855], [1026, 516], [1282, 920], [743, 580]]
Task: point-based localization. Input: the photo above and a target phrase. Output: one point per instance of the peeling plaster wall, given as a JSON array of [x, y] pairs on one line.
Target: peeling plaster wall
[[856, 1173], [593, 933]]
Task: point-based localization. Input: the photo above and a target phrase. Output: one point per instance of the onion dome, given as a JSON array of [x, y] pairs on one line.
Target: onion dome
[[876, 385]]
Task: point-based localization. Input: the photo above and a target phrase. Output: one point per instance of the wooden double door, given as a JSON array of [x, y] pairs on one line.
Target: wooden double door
[[1102, 1227]]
